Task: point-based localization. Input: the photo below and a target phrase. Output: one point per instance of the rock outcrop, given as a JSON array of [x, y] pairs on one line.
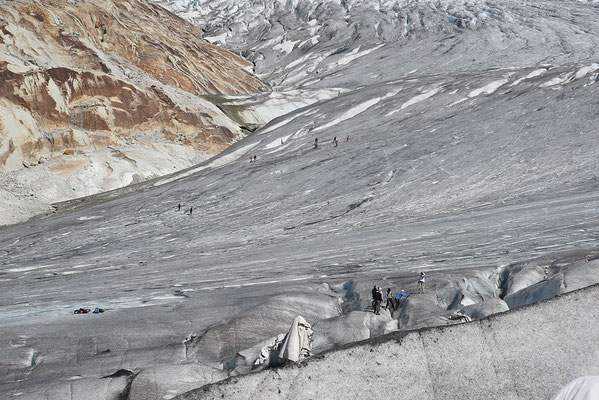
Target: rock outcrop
[[110, 83]]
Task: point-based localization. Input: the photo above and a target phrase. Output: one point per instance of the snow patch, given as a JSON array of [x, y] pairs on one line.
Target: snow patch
[[582, 72], [555, 81], [489, 88], [457, 102], [278, 142], [286, 46], [533, 74], [298, 61], [91, 217], [219, 162], [354, 54], [222, 38], [420, 97], [279, 124], [26, 269], [313, 40], [352, 112]]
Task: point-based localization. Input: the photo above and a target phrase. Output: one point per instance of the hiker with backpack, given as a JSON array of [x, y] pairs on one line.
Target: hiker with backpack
[[378, 300], [389, 303]]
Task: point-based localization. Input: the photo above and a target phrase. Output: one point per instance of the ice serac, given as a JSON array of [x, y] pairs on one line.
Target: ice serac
[[95, 95], [296, 43], [524, 354], [262, 321]]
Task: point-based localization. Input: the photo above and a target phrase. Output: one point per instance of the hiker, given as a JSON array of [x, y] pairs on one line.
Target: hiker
[[316, 143], [401, 294], [347, 138], [251, 159], [335, 141], [389, 300], [375, 289], [190, 211], [378, 301], [421, 282], [255, 158], [179, 207]]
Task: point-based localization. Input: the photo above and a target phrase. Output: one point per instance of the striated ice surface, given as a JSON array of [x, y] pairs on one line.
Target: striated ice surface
[[472, 155]]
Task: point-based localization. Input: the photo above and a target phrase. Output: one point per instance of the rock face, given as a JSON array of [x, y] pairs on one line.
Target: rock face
[[78, 78]]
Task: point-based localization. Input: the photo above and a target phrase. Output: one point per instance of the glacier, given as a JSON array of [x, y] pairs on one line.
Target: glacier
[[472, 155]]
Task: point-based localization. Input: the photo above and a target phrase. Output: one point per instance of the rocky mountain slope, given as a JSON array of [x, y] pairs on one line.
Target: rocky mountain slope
[[95, 95]]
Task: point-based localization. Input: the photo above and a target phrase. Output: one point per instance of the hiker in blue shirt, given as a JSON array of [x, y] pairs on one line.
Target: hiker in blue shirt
[[399, 296]]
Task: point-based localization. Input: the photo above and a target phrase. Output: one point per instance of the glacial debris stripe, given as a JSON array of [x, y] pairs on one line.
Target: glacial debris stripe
[[95, 95]]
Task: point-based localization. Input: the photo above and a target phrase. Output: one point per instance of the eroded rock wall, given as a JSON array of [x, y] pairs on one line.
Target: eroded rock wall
[[78, 77]]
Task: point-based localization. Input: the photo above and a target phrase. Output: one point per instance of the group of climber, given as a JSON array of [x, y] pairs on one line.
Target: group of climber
[[188, 212], [335, 141], [393, 302]]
